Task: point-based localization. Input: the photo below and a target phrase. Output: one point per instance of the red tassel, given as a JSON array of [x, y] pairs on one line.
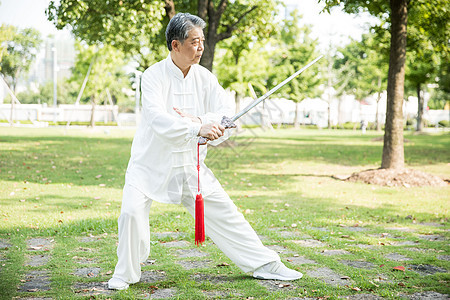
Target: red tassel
[[199, 208], [199, 220]]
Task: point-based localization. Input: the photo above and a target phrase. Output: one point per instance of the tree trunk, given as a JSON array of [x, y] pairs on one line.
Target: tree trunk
[[419, 110], [377, 115], [393, 151], [297, 115], [210, 46], [170, 8], [92, 123]]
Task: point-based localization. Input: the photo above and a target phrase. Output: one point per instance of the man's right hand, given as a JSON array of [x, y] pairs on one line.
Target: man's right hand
[[211, 131]]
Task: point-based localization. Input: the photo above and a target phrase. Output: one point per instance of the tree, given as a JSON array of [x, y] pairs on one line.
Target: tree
[[295, 48], [106, 80], [240, 65], [137, 27], [393, 151], [19, 49], [432, 18], [421, 69], [361, 68]]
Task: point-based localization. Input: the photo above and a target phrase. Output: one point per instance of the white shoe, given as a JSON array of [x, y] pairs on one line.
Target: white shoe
[[117, 284], [276, 270]]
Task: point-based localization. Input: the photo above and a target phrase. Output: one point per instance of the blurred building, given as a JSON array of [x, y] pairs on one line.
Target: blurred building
[[65, 59]]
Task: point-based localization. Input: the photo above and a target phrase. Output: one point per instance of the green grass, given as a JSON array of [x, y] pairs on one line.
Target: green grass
[[66, 185]]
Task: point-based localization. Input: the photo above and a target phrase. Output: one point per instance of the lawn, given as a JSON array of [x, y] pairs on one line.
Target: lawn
[[60, 193]]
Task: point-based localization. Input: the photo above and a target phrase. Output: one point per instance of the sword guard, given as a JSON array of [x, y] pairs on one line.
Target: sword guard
[[226, 122]]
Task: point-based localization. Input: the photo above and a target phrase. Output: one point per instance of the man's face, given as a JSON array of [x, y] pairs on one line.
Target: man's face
[[191, 49]]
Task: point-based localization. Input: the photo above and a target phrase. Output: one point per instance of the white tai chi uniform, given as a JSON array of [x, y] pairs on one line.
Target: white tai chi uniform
[[162, 168]]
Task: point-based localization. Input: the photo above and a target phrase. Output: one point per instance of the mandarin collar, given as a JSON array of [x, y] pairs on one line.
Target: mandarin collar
[[177, 73]]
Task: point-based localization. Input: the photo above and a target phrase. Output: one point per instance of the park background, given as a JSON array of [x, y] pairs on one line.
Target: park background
[[304, 167]]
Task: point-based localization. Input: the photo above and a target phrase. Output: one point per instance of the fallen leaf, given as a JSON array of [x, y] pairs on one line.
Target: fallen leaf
[[224, 264], [399, 268], [345, 277], [356, 289], [401, 284], [377, 285], [98, 176], [109, 272]]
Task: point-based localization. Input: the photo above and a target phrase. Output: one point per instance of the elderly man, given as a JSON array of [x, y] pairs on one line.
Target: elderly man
[[181, 102]]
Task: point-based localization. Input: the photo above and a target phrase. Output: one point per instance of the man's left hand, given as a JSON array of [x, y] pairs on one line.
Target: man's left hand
[[187, 115]]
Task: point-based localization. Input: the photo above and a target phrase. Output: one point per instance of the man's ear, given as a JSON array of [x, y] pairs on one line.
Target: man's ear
[[175, 45]]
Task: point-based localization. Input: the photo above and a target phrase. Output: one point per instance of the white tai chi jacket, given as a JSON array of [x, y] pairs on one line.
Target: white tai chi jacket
[[164, 149]]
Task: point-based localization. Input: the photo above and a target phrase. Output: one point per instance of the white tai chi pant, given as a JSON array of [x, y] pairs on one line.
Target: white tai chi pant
[[223, 224]]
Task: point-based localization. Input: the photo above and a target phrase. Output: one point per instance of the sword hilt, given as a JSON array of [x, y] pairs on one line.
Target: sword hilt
[[226, 122]]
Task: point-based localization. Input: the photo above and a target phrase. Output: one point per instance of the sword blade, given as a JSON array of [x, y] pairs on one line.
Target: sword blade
[[273, 90]]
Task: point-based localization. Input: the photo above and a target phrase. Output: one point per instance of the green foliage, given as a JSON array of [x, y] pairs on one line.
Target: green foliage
[[137, 27], [19, 49], [444, 123], [294, 49], [239, 66], [67, 93], [107, 74], [130, 26], [362, 66]]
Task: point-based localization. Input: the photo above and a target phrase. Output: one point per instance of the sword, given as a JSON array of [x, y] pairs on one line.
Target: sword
[[229, 122]]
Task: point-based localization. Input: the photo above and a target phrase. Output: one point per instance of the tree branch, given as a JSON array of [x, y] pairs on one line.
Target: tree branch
[[230, 28], [170, 8]]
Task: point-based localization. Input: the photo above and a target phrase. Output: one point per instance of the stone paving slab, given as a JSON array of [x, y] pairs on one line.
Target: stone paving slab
[[328, 276], [37, 260], [382, 279], [169, 234], [362, 297], [4, 244], [402, 229], [195, 264], [364, 246], [293, 234], [397, 257], [176, 244], [444, 257], [334, 252], [88, 239], [87, 272], [153, 276], [301, 260], [190, 253], [163, 293], [432, 237], [414, 249], [92, 288], [405, 243], [323, 229], [430, 295], [427, 269], [279, 249], [277, 285], [355, 228], [309, 243], [221, 294], [36, 281], [359, 264], [39, 244], [210, 278]]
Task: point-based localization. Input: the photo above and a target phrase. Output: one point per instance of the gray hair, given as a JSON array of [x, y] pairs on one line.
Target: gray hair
[[179, 27]]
